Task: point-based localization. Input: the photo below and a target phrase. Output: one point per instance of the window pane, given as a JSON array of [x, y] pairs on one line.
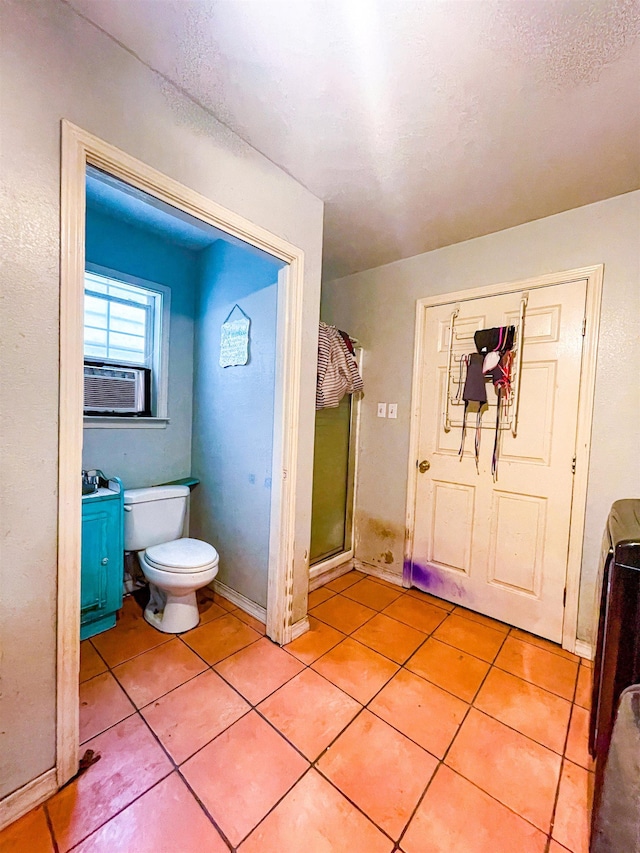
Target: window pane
[[127, 356], [91, 351], [95, 282], [95, 336], [118, 320], [130, 294], [127, 318], [95, 305]]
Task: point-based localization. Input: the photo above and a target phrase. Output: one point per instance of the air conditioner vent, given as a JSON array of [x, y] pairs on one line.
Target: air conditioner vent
[[114, 390]]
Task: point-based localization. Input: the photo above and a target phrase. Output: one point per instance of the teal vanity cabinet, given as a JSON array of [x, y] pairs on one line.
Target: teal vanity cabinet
[[102, 558]]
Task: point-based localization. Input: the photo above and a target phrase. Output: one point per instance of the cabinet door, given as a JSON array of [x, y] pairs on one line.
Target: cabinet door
[[95, 562]]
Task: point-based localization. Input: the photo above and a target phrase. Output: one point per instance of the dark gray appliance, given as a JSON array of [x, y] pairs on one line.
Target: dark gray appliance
[[617, 661]]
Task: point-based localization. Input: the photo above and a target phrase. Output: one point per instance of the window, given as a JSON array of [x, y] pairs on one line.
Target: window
[[118, 321], [126, 322]]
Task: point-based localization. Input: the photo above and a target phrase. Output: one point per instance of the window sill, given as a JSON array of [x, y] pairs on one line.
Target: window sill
[[99, 422]]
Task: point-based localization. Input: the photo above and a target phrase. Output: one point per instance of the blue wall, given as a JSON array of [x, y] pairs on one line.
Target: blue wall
[[233, 418], [144, 457]]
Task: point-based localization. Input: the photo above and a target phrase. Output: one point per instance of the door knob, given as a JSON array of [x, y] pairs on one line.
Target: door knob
[[104, 561], [424, 466]]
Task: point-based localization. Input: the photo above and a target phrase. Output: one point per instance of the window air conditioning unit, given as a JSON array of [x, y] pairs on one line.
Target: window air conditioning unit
[[114, 389]]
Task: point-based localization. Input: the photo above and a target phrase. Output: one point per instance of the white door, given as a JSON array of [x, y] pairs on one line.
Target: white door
[[500, 547]]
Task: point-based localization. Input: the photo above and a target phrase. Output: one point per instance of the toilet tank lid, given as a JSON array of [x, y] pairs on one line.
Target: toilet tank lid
[[154, 493]]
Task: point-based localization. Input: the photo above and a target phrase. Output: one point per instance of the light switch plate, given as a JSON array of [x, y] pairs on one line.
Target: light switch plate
[[393, 410], [382, 410]]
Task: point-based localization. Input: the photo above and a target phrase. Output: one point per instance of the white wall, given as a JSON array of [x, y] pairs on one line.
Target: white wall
[[378, 307], [233, 418], [55, 65]]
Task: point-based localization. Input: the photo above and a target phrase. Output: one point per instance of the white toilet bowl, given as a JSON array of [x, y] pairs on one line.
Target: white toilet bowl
[[175, 571]]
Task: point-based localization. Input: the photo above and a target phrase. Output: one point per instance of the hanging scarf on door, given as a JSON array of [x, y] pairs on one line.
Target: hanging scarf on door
[[501, 376], [475, 391], [493, 359]]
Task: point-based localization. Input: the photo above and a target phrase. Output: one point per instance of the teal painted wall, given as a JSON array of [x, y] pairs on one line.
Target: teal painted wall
[[233, 418], [144, 457]]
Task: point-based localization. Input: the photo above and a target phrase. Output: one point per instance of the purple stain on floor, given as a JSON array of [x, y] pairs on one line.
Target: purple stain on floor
[[429, 579]]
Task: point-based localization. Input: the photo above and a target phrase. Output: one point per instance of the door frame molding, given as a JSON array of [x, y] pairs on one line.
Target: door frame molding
[[594, 278], [79, 149]]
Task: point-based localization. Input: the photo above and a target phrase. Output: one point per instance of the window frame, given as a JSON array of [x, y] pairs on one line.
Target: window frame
[[159, 360]]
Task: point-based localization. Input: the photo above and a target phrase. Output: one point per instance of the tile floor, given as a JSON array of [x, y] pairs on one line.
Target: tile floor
[[398, 723]]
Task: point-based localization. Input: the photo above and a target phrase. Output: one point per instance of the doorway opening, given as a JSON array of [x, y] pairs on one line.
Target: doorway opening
[[278, 305]]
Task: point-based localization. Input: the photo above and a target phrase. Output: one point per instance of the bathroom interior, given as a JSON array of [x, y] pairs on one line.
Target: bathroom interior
[[177, 473]]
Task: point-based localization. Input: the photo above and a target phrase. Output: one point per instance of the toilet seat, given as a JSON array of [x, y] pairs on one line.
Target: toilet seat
[[182, 555]]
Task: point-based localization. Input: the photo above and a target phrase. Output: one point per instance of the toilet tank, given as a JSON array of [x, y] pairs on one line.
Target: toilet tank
[[154, 515]]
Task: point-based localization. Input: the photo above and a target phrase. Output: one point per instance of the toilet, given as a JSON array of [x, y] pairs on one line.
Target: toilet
[[175, 567]]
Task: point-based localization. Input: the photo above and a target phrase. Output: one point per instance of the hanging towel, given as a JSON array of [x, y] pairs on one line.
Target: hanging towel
[[338, 372]]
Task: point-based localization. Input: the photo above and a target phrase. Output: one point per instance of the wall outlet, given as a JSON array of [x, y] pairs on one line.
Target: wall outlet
[[382, 410], [393, 410]]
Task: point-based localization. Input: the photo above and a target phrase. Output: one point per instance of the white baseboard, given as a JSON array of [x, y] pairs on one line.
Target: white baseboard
[[20, 802], [324, 574], [378, 572], [299, 628], [241, 601], [331, 563], [584, 649]]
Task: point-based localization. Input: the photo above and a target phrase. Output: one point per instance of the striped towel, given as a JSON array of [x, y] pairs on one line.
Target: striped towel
[[338, 372]]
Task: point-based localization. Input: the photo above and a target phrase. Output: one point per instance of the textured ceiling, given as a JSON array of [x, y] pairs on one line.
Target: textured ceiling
[[420, 124]]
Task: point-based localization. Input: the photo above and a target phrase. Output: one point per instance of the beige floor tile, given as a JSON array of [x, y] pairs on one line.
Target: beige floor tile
[[156, 672], [192, 715], [512, 768], [310, 712], [218, 639], [391, 638], [259, 669], [534, 712], [359, 764], [372, 594], [571, 822], [471, 637], [356, 669], [90, 661], [345, 581], [420, 710], [103, 703], [449, 668], [315, 642], [584, 686], [324, 821], [578, 741], [549, 671], [131, 635], [242, 774], [131, 762], [30, 834], [457, 817], [343, 614], [167, 818], [416, 613]]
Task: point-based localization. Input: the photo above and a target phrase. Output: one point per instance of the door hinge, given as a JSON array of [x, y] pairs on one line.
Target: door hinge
[[584, 326], [573, 465], [564, 597]]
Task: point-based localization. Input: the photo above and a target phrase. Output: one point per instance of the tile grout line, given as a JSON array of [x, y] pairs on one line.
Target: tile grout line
[[441, 761], [313, 764], [56, 847], [566, 742], [175, 768]]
